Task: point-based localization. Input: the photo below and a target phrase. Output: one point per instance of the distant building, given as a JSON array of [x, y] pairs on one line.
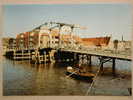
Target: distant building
[[45, 40], [8, 44], [71, 40], [27, 40], [5, 42], [20, 41], [12, 43], [122, 45], [54, 38]]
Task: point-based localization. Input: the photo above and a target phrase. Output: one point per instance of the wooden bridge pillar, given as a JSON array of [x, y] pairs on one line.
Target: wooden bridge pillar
[[81, 58], [14, 55], [90, 60], [22, 55], [102, 61], [75, 57], [113, 66], [101, 67], [29, 54], [45, 56], [51, 55]]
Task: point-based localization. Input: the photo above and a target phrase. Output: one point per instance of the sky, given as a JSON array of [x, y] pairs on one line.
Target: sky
[[100, 19]]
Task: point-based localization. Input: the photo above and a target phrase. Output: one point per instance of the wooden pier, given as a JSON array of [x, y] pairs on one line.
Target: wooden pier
[[103, 55], [44, 55]]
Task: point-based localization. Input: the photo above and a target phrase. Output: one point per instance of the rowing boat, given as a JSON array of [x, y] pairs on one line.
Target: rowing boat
[[79, 75]]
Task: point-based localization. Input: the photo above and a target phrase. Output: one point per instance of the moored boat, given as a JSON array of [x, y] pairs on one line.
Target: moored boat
[[75, 73], [96, 41]]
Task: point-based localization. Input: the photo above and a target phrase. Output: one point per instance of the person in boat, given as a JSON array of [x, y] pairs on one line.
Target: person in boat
[[69, 69], [81, 69]]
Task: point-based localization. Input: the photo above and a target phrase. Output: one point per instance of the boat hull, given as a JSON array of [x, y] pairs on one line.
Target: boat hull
[[79, 77], [97, 41]]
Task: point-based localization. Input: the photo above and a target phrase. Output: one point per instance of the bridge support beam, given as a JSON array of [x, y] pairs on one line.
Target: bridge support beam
[[90, 60], [102, 61], [22, 54], [101, 67], [113, 66]]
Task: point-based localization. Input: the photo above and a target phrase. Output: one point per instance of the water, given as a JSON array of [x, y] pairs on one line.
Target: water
[[23, 78]]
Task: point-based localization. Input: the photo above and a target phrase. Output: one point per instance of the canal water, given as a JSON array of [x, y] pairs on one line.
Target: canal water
[[23, 78]]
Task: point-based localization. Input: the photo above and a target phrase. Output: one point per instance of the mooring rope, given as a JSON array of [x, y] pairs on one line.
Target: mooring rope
[[89, 89]]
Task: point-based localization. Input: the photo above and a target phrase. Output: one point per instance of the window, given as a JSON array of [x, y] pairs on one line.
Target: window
[[22, 36], [32, 34]]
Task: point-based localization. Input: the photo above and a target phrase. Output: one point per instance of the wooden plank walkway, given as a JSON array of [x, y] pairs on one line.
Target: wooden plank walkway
[[124, 55], [110, 54]]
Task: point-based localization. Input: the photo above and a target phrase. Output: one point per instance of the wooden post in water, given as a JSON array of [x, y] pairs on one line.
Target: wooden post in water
[[45, 58], [29, 54], [22, 54], [101, 65], [77, 57], [14, 54], [90, 60], [101, 69], [113, 66], [82, 57], [52, 53], [50, 56], [74, 58], [39, 57]]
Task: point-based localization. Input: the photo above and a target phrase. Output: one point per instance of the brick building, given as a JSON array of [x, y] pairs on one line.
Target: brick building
[[27, 40], [12, 43]]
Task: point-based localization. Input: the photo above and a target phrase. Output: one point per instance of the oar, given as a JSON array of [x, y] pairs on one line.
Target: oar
[[89, 89], [72, 73]]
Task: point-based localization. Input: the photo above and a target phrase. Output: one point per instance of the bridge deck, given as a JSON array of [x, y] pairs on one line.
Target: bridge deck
[[122, 55], [111, 54]]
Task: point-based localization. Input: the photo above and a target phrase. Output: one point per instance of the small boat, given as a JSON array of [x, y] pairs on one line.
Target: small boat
[[79, 75]]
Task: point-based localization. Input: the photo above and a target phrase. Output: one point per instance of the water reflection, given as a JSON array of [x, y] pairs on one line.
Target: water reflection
[[23, 78]]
